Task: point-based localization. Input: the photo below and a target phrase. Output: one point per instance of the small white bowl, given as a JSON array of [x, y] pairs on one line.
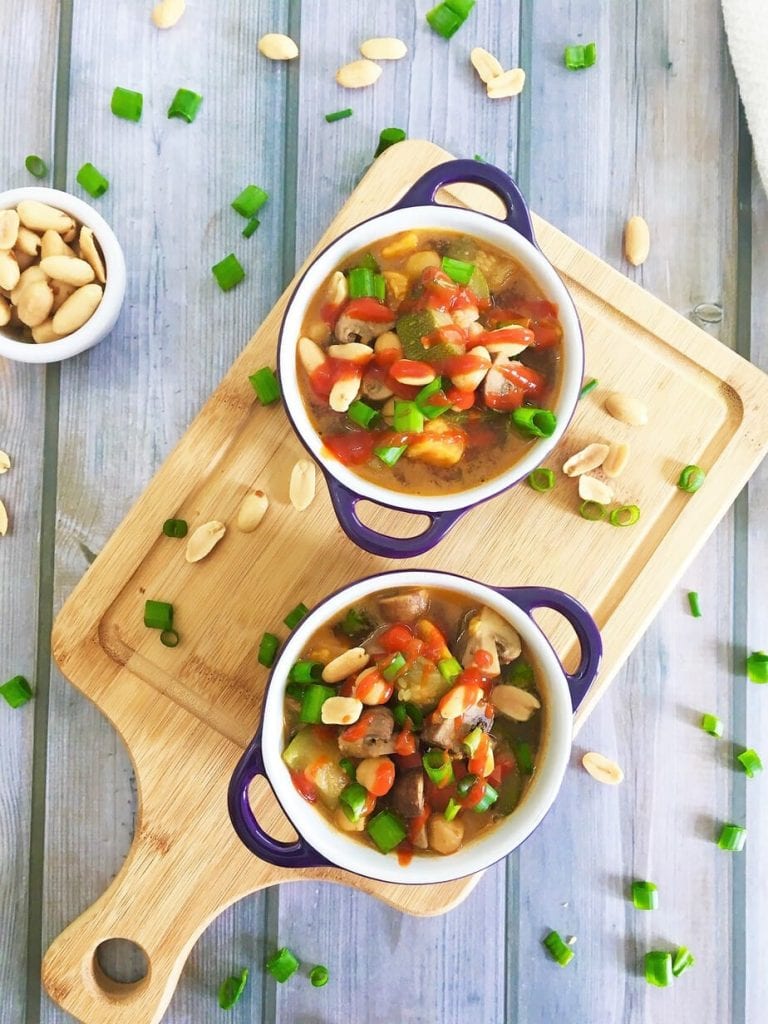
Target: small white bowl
[[105, 316]]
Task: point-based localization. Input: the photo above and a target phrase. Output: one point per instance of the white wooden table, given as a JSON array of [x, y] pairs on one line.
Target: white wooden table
[[655, 127]]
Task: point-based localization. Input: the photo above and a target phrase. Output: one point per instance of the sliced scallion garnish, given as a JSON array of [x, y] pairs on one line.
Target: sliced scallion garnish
[[312, 702], [16, 692], [389, 454], [560, 951], [232, 989], [693, 602], [360, 282], [589, 386], [732, 837], [282, 964], [451, 809], [228, 272], [175, 528], [353, 799], [757, 667], [681, 961], [250, 201], [658, 968], [185, 104], [250, 227], [127, 104], [541, 479], [449, 669], [36, 166], [268, 649], [750, 762], [438, 766], [362, 414], [319, 976], [592, 511], [444, 21], [386, 830], [169, 638], [93, 181], [458, 270], [347, 765], [624, 515], [577, 57], [158, 615], [691, 478], [294, 617], [712, 724], [408, 418], [489, 797], [306, 672], [388, 137], [394, 666], [338, 115], [534, 422], [265, 384], [645, 896]]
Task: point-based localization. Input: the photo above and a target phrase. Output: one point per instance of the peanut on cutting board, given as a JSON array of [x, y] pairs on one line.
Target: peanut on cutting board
[[52, 273], [637, 241]]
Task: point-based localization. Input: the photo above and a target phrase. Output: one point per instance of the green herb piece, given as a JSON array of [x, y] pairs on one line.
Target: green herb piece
[[306, 672], [36, 166], [268, 649], [294, 617], [169, 638], [175, 528], [645, 896], [465, 784], [693, 601], [589, 386], [451, 809], [355, 623], [458, 270], [658, 968], [379, 287], [93, 181], [250, 201], [158, 615], [185, 104], [472, 740], [250, 227], [541, 479], [394, 667], [319, 976], [312, 702], [577, 57], [360, 282], [593, 511], [732, 837], [338, 115], [388, 137], [362, 414], [447, 18], [750, 762], [265, 384], [480, 159], [489, 797], [534, 422], [282, 964], [757, 667], [519, 673], [127, 104], [624, 515], [691, 478], [296, 691], [389, 454], [712, 725], [386, 830], [682, 961], [16, 691], [408, 418], [232, 989], [438, 766], [449, 669], [560, 951], [524, 757], [228, 272], [347, 765], [353, 800]]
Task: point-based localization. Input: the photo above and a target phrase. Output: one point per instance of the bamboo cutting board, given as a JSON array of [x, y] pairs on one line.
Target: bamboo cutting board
[[186, 714]]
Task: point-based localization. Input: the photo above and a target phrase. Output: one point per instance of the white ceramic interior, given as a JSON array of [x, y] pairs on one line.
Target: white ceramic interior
[[105, 317], [447, 218], [551, 761]]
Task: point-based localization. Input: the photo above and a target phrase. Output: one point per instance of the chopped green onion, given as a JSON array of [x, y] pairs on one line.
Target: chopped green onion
[[388, 137], [93, 181], [362, 414], [175, 528], [691, 479], [347, 765], [296, 691], [410, 711], [732, 837], [757, 667], [438, 766], [360, 282], [458, 270], [576, 57], [312, 701], [444, 21], [408, 418], [645, 896], [319, 976], [389, 454], [489, 797], [169, 638], [232, 989], [750, 762], [712, 724], [379, 287], [460, 7], [593, 511], [451, 810], [524, 757], [294, 617], [306, 672], [158, 615], [250, 227], [228, 272], [519, 673], [282, 964], [338, 115], [658, 968], [185, 104], [541, 479], [558, 950], [534, 422], [480, 159], [127, 104], [250, 201], [589, 386], [693, 601], [16, 691], [472, 740], [355, 623], [682, 961], [449, 669], [36, 166], [268, 649], [624, 515], [265, 384], [465, 783], [424, 399], [353, 799], [395, 665], [386, 830]]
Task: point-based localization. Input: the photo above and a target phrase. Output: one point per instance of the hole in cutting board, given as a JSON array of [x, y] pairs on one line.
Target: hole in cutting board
[[120, 967], [476, 197]]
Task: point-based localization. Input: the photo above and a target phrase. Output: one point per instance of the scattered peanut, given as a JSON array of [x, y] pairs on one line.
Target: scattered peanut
[[341, 710], [383, 48], [510, 83], [204, 540], [514, 703], [338, 289], [318, 331], [42, 217], [637, 241], [275, 46], [9, 270], [252, 510], [352, 352], [28, 243], [470, 380], [5, 462], [28, 276], [44, 333], [5, 312], [485, 64], [616, 459], [346, 664], [3, 520], [35, 303], [387, 342], [358, 74], [588, 458], [68, 270], [627, 409], [168, 12], [77, 309], [415, 375], [61, 293], [89, 251], [602, 769], [9, 228], [343, 393], [54, 245], [310, 354], [592, 489], [302, 486]]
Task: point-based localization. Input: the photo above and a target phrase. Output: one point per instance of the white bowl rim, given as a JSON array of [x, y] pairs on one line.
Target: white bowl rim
[[105, 317], [479, 854]]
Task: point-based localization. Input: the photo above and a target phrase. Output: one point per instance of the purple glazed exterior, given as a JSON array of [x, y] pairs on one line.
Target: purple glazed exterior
[[345, 499], [301, 854]]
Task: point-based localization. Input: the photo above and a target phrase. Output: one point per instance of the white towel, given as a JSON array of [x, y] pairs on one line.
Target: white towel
[[746, 22]]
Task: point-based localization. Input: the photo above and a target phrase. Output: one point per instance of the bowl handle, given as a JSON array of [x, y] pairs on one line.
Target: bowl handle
[[583, 624], [284, 855], [477, 173], [344, 502]]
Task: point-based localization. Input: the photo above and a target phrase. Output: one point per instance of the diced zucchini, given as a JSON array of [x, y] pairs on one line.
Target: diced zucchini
[[421, 683], [412, 327], [318, 758], [510, 788], [462, 247], [478, 284]]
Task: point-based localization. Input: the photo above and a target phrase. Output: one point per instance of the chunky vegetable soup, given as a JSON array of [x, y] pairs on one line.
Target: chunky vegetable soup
[[413, 721], [430, 363]]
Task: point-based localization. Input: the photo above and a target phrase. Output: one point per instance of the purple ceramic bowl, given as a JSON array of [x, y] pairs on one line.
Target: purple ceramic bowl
[[513, 235]]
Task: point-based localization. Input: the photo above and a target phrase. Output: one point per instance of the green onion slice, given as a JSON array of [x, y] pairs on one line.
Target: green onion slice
[[732, 837], [169, 638], [185, 104], [360, 282], [158, 615], [389, 454], [175, 528], [93, 181], [312, 702], [394, 667], [693, 601], [338, 115], [347, 765], [36, 166], [444, 21], [408, 418], [282, 964], [362, 414], [386, 830], [480, 159], [589, 386], [458, 270], [524, 757], [250, 227], [449, 669], [541, 479], [294, 617], [268, 649], [319, 976], [250, 201], [451, 810], [577, 57], [593, 511], [682, 961], [757, 667], [560, 951], [388, 137], [228, 272], [306, 672], [296, 691], [750, 762], [645, 896], [489, 797], [410, 711], [127, 104], [658, 968], [691, 479], [16, 691], [624, 515], [379, 287], [472, 740], [438, 766], [232, 989], [712, 724], [534, 422], [353, 799], [460, 7], [465, 783], [265, 384]]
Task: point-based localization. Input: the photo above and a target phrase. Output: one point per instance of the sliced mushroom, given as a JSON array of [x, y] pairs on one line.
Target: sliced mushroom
[[405, 607], [348, 329], [407, 796], [377, 741], [487, 631]]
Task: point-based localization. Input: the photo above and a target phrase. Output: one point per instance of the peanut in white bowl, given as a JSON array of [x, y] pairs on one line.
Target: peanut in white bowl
[[98, 326]]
